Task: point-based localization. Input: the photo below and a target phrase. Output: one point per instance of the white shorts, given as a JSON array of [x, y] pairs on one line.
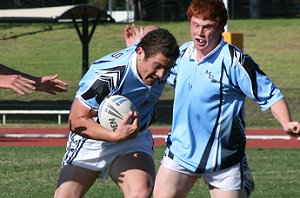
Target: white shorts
[[232, 178], [99, 155]]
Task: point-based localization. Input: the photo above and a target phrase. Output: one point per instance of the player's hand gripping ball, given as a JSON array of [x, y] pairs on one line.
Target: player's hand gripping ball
[[112, 111]]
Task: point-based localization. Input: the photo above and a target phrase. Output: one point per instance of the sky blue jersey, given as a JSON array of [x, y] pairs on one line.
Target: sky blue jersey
[[116, 73], [208, 129]]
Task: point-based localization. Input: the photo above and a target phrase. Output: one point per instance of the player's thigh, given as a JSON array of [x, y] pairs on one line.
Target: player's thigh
[[134, 173], [170, 183], [226, 182], [74, 181]]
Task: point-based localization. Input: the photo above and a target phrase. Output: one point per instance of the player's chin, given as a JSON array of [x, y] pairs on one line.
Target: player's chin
[[150, 81]]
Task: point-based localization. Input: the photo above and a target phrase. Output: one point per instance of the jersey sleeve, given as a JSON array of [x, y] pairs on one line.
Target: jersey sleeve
[[171, 80], [172, 76], [104, 77], [254, 83]]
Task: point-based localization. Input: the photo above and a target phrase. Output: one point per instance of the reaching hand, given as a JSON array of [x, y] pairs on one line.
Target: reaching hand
[[134, 34], [51, 84], [19, 84], [293, 128]]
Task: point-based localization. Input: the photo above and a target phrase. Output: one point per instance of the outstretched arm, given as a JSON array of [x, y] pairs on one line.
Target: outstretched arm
[[23, 83], [51, 84], [281, 112]]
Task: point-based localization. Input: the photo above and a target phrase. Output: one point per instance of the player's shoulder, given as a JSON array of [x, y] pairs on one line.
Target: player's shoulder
[[115, 58], [183, 48], [232, 54], [235, 58], [185, 45]]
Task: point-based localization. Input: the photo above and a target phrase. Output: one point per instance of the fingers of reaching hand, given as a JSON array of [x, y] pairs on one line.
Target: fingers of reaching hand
[[136, 30], [294, 128], [59, 85], [133, 34], [51, 84], [23, 85]]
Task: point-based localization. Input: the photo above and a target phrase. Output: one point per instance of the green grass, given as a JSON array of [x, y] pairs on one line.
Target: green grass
[[55, 48], [33, 171]]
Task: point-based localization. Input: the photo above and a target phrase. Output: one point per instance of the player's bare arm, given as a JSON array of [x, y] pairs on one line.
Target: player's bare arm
[[17, 83], [281, 112], [51, 84], [81, 122], [23, 83]]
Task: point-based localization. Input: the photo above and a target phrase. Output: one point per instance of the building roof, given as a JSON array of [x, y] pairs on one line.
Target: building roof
[[54, 14]]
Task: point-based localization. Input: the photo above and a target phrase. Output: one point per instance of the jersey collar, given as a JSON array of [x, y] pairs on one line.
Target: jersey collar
[[133, 67], [191, 51]]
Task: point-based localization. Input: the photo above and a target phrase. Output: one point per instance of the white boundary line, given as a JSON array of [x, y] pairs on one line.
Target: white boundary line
[[251, 137], [17, 135], [268, 137]]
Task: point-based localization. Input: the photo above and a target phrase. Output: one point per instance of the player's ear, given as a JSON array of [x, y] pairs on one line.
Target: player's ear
[[140, 53]]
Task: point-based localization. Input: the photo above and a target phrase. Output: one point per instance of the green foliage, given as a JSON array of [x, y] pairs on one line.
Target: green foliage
[[33, 172]]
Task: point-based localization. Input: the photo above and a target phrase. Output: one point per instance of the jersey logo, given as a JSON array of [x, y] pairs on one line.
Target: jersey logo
[[210, 76], [108, 80]]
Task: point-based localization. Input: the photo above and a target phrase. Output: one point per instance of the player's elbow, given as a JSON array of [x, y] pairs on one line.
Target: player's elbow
[[75, 127]]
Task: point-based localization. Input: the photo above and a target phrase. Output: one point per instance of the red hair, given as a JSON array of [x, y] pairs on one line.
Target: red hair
[[213, 10]]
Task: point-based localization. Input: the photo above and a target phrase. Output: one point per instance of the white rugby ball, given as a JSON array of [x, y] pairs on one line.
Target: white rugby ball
[[112, 111]]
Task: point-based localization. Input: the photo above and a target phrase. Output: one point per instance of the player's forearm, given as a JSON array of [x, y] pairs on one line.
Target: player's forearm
[[88, 128], [4, 70], [281, 112]]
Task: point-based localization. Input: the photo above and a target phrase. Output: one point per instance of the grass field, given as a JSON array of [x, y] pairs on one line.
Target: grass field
[[27, 172]]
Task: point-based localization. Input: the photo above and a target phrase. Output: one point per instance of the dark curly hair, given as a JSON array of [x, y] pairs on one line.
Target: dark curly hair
[[159, 41]]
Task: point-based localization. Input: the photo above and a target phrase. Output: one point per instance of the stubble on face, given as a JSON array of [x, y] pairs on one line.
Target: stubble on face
[[153, 68]]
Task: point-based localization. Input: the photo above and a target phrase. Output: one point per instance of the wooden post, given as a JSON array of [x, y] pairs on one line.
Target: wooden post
[[234, 38]]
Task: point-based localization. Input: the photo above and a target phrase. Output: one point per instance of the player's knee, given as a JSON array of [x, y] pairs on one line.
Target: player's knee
[[61, 193], [139, 193]]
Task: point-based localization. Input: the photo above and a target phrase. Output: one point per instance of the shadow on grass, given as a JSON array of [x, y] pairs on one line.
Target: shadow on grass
[[45, 29]]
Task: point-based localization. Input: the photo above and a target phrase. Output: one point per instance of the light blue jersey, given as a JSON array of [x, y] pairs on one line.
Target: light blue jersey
[[208, 129], [116, 73]]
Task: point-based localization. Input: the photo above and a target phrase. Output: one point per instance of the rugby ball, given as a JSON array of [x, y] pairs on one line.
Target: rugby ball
[[112, 111]]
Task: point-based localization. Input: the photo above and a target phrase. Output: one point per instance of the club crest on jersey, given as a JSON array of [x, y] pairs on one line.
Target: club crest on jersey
[[210, 76]]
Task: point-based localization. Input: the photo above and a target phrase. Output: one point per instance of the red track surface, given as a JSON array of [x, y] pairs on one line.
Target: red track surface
[[257, 138]]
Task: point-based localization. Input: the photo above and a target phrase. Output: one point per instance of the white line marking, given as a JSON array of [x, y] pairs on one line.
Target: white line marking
[[268, 137], [251, 137], [159, 136], [16, 135]]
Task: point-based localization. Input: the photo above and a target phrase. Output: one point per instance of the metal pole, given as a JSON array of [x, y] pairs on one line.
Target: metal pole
[[226, 6], [110, 7], [85, 44]]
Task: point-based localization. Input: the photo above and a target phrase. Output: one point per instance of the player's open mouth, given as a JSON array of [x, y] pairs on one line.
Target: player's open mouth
[[201, 41]]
